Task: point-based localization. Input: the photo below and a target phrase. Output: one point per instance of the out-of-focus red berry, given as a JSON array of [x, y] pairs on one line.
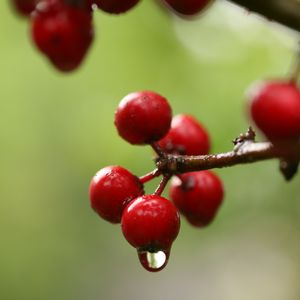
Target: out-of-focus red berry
[[24, 7], [63, 32], [187, 7], [115, 6], [275, 109]]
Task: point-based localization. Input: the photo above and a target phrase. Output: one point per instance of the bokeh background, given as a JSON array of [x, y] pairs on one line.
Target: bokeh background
[[57, 131]]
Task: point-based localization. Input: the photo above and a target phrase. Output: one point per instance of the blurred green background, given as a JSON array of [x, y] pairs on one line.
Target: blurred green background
[[57, 131]]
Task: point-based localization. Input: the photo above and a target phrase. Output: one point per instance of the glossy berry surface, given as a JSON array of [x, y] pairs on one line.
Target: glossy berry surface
[[275, 109], [188, 7], [150, 223], [111, 189], [63, 32], [186, 136], [115, 6], [24, 7], [143, 117], [198, 196]]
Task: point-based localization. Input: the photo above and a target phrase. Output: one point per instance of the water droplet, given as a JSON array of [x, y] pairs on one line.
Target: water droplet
[[154, 261]]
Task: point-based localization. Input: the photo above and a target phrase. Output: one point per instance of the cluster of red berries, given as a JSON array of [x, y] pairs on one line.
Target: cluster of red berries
[[63, 29], [150, 223]]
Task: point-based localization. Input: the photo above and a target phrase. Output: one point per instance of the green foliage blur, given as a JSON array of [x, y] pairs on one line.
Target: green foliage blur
[[57, 130]]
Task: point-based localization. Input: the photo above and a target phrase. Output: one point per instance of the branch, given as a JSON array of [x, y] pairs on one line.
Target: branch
[[246, 150], [163, 183], [149, 176], [285, 12]]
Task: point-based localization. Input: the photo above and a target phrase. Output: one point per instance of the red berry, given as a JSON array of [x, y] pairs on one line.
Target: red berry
[[24, 7], [188, 7], [115, 6], [111, 189], [150, 223], [63, 32], [197, 195], [275, 108], [143, 117], [186, 136]]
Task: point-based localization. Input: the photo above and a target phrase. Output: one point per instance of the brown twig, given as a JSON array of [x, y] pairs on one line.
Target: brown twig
[[246, 150], [285, 12]]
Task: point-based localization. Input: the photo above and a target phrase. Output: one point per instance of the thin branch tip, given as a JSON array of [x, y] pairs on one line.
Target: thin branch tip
[[285, 12]]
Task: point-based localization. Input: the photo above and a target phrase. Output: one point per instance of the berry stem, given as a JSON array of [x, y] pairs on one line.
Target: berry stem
[[157, 149], [151, 175], [162, 185], [285, 12], [246, 150]]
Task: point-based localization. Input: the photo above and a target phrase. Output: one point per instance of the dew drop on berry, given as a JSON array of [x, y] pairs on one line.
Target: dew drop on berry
[[153, 261]]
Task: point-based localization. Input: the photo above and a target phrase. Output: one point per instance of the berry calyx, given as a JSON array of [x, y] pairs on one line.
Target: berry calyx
[[143, 117], [115, 6], [187, 7], [186, 136], [275, 109], [63, 32], [111, 189], [198, 196], [150, 224], [24, 7]]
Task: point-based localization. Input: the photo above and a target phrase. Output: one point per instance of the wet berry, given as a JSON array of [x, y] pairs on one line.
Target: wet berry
[[198, 196], [24, 7], [115, 6], [187, 7], [111, 189], [275, 108], [186, 136], [150, 224], [63, 32], [143, 117]]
